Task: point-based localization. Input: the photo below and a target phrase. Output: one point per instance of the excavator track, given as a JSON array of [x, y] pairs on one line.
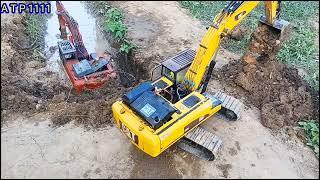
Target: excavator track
[[201, 143], [231, 107], [205, 144]]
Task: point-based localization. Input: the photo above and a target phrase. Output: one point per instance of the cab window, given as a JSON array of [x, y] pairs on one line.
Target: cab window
[[181, 74], [168, 73]]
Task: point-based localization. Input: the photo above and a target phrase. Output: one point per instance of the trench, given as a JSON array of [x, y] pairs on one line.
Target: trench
[[94, 39], [92, 108]]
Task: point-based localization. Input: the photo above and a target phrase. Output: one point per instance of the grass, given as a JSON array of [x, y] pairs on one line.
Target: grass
[[311, 127], [114, 24], [299, 51], [34, 26]]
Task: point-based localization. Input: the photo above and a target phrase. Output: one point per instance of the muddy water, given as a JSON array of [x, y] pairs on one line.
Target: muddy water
[[87, 27]]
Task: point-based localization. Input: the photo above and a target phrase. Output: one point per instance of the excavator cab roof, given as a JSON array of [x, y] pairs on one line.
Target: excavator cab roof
[[180, 61]]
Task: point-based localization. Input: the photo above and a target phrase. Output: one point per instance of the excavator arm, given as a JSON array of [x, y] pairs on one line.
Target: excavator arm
[[224, 23], [66, 21]]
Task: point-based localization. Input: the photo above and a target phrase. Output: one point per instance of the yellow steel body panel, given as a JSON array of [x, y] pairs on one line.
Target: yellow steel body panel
[[154, 142], [166, 80], [271, 10]]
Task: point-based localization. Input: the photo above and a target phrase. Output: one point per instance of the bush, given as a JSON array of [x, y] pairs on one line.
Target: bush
[[114, 24]]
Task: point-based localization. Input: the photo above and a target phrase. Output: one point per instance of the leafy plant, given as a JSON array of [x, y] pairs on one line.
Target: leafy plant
[[117, 28], [114, 14], [33, 26], [312, 131], [127, 46], [114, 24]]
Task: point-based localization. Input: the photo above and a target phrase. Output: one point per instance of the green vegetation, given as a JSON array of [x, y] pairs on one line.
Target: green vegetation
[[126, 46], [299, 51], [311, 128], [34, 26], [114, 24], [35, 29]]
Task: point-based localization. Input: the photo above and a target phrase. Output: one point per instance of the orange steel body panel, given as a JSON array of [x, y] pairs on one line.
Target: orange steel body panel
[[92, 81]]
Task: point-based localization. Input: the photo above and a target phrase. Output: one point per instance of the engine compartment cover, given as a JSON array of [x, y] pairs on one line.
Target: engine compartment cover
[[154, 109]]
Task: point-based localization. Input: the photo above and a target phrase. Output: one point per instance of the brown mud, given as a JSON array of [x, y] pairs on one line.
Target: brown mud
[[25, 85], [239, 32], [32, 149], [277, 90]]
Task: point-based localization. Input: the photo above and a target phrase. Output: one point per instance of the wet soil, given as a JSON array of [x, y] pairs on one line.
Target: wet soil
[[92, 109], [225, 169], [239, 32], [23, 88], [159, 167]]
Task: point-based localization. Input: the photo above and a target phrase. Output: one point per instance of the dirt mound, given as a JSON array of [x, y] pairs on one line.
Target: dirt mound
[[280, 93], [91, 108], [90, 114], [23, 86], [239, 32]]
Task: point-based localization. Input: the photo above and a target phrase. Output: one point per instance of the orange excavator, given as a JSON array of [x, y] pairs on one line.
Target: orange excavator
[[85, 71]]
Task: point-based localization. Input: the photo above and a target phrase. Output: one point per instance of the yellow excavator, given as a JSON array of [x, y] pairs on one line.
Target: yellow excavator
[[157, 114]]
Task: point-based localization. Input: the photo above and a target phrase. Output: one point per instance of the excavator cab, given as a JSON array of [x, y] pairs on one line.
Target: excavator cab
[[175, 68], [173, 71]]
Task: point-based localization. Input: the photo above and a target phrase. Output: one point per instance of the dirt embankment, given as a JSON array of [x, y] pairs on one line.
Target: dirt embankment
[[92, 109], [280, 93], [25, 85]]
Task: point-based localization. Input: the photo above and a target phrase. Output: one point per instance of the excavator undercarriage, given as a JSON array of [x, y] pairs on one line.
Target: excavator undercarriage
[[203, 143]]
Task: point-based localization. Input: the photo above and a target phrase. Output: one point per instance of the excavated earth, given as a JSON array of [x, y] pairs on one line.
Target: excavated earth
[[277, 90], [26, 86], [42, 134]]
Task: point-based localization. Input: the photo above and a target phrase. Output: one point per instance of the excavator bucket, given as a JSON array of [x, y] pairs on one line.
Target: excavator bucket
[[279, 25]]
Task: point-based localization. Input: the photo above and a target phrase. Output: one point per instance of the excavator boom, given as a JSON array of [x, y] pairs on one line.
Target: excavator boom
[[223, 24]]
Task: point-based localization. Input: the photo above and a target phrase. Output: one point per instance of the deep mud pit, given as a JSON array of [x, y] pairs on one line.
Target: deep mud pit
[[51, 144]]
